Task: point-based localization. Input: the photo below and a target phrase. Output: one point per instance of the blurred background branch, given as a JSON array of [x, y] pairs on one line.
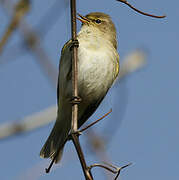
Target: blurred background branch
[[31, 39], [20, 10]]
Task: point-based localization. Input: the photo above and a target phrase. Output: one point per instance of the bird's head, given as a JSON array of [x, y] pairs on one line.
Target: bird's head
[[100, 23]]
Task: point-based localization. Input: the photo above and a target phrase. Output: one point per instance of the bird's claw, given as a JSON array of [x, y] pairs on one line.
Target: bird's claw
[[74, 43], [75, 100]]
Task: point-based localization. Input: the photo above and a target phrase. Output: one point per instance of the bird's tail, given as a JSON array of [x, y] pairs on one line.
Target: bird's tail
[[55, 142]]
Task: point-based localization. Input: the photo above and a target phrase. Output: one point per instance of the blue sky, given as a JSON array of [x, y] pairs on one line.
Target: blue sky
[[148, 132]]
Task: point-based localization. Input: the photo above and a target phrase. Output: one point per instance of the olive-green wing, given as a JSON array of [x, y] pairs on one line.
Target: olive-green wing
[[65, 48]]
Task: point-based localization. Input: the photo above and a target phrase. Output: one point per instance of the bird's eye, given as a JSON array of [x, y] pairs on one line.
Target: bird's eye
[[98, 21]]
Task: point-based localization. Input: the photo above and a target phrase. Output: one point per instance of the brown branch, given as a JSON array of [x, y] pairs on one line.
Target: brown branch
[[109, 167], [86, 171], [140, 12], [74, 123], [102, 166], [85, 128]]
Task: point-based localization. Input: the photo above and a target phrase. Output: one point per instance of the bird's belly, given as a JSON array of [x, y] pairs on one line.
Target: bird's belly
[[96, 73]]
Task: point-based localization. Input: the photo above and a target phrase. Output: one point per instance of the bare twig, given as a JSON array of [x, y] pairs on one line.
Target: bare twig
[[119, 170], [102, 166], [74, 123], [85, 128], [86, 171], [109, 167], [141, 12]]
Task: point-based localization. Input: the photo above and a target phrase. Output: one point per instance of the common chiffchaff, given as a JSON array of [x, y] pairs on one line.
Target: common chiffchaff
[[98, 67]]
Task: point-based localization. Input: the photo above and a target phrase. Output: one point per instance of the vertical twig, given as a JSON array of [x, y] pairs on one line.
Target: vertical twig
[[86, 171], [74, 124]]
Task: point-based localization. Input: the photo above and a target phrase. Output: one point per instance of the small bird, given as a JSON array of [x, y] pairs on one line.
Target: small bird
[[98, 67]]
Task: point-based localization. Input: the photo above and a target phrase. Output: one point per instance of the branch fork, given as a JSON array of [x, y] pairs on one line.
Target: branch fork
[[111, 168]]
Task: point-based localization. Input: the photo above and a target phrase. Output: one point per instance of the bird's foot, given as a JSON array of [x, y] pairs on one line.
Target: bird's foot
[[77, 133], [75, 100], [74, 43]]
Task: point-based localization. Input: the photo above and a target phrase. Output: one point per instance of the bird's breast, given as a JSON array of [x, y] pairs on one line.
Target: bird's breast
[[96, 69]]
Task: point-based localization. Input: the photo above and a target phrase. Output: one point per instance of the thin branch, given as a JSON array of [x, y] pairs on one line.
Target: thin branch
[[85, 128], [119, 170], [109, 167], [74, 125], [102, 166], [86, 171], [140, 12], [74, 122], [96, 145]]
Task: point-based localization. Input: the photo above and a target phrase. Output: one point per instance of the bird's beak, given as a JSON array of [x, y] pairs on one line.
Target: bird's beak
[[83, 19]]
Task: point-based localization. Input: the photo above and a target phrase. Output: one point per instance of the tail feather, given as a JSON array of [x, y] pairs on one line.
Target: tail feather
[[55, 142]]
